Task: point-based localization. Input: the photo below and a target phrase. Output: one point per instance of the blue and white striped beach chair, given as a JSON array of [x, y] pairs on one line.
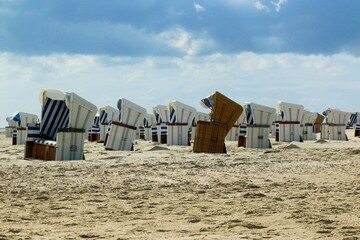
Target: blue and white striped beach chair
[[259, 120], [289, 124], [106, 115], [145, 131], [353, 120], [334, 127], [65, 120], [161, 113], [21, 120], [94, 131], [123, 132], [181, 116]]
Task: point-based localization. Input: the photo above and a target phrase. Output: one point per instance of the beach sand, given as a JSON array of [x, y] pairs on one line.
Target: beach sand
[[305, 190]]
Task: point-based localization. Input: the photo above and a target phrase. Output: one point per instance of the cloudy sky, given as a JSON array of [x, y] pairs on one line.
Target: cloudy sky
[[153, 51]]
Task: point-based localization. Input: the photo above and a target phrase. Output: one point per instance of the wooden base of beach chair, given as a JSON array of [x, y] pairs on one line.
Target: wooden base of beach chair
[[163, 139], [94, 137], [120, 137], [39, 151], [289, 131], [242, 141], [257, 136], [210, 137], [155, 138], [357, 133], [177, 134]]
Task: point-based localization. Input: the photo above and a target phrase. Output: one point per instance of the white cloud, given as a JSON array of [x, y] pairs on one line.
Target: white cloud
[[260, 6], [198, 7], [315, 81], [278, 4]]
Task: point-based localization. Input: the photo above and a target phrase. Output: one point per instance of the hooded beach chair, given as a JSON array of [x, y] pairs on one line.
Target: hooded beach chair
[[307, 125], [357, 125], [107, 114], [259, 119], [123, 132], [238, 130], [180, 119], [353, 120], [10, 128], [199, 116], [65, 121], [21, 120], [94, 131], [289, 124], [334, 127], [210, 136], [159, 130], [145, 129]]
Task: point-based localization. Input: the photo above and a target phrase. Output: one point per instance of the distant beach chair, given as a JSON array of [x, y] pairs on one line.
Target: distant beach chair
[[10, 128], [237, 129], [334, 127], [357, 125], [353, 120], [159, 131], [145, 129], [94, 131], [307, 127], [106, 115], [199, 116], [259, 120], [210, 136], [289, 124], [180, 119], [65, 121], [123, 132], [21, 120]]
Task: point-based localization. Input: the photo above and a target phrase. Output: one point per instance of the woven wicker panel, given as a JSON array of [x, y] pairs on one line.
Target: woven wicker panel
[[226, 111], [210, 137], [318, 122]]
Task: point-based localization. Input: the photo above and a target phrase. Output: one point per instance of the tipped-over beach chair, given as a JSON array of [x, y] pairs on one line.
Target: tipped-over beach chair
[[210, 136], [107, 115], [65, 121], [181, 116], [145, 129], [159, 131], [259, 119], [94, 131], [199, 116], [318, 122], [289, 125], [21, 120], [334, 127], [307, 127], [123, 132]]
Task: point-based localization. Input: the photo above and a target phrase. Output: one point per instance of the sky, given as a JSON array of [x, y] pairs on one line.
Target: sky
[[152, 51]]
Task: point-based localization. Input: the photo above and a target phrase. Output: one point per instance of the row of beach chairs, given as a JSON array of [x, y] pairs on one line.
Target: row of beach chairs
[[67, 120]]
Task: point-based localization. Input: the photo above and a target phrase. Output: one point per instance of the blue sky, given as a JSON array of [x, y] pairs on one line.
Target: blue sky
[[301, 51]]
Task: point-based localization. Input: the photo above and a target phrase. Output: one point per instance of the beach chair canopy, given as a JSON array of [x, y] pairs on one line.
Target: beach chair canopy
[[336, 116], [96, 121], [64, 110], [257, 114], [21, 119], [309, 117], [290, 112], [161, 113], [149, 120], [180, 112], [107, 114], [353, 119], [130, 113], [223, 109], [11, 122]]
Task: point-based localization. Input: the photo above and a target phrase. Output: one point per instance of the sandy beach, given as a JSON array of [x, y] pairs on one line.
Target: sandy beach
[[307, 190]]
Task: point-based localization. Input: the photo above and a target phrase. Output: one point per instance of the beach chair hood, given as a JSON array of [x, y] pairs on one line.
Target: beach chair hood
[[180, 112], [290, 112], [130, 113], [257, 114], [161, 113]]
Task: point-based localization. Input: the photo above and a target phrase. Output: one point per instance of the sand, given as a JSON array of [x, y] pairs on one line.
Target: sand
[[305, 190]]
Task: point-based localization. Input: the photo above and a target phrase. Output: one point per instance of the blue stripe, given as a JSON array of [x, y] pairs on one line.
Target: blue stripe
[[172, 116], [55, 115], [103, 117], [33, 135], [33, 128]]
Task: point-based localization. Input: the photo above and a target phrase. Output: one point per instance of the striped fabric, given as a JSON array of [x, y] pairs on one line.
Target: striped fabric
[[17, 119], [96, 121], [154, 130], [146, 123], [249, 115], [243, 130], [193, 123], [47, 142], [54, 115], [172, 116], [208, 102], [94, 129], [33, 132], [163, 130], [357, 126], [103, 117], [352, 120], [158, 118]]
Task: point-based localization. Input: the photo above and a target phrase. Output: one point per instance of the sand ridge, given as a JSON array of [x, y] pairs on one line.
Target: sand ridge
[[307, 190]]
